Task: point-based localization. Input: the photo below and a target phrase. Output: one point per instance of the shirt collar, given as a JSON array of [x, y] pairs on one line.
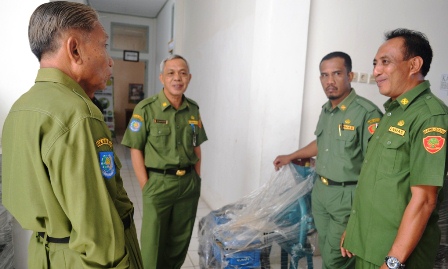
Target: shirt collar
[[57, 76], [405, 99], [165, 103], [344, 104]]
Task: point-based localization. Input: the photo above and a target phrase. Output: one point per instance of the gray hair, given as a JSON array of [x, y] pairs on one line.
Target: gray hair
[[172, 57], [50, 20]]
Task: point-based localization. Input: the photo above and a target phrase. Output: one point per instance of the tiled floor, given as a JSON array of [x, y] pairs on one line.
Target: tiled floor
[[133, 189]]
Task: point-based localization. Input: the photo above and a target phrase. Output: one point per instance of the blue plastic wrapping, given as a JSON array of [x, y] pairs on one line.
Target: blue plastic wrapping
[[276, 215]]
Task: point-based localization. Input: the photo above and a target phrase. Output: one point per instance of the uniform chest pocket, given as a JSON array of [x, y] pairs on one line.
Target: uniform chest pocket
[[159, 136], [393, 154], [347, 142]]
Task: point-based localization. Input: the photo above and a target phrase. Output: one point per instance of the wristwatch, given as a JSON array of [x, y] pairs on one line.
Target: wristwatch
[[393, 263]]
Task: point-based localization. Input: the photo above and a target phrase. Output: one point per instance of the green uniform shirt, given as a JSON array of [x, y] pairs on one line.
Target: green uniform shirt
[[342, 134], [60, 173], [166, 136], [407, 149]]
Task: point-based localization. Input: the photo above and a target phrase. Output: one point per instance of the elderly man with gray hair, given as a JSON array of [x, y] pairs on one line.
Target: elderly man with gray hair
[[165, 134], [61, 177]]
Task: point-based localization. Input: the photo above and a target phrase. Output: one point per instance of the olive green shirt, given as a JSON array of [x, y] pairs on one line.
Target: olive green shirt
[[166, 136], [342, 134], [407, 149], [60, 173]]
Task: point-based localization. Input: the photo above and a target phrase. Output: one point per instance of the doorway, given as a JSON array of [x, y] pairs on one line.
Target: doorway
[[129, 89]]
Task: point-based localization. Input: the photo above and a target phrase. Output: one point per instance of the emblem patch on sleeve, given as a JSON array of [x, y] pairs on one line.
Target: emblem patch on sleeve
[[372, 128], [135, 125], [107, 164], [433, 144]]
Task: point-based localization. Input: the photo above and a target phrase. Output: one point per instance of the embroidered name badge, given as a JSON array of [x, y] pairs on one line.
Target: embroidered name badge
[[433, 143], [103, 141], [347, 127], [107, 164], [374, 120], [397, 131], [160, 121], [434, 129], [135, 125], [195, 122], [137, 116]]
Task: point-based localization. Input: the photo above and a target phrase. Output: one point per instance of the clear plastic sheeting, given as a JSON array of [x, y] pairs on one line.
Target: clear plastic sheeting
[[269, 226], [6, 245], [442, 254]]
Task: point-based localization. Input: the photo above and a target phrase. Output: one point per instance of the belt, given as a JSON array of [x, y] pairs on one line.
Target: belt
[[126, 224], [175, 172], [64, 240], [330, 182]]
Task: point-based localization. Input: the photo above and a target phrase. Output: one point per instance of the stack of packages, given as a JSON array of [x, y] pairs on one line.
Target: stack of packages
[[243, 234], [6, 246]]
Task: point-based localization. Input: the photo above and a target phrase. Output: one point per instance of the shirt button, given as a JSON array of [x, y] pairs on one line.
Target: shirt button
[[388, 142], [326, 150], [353, 211], [388, 113], [377, 137], [160, 132]]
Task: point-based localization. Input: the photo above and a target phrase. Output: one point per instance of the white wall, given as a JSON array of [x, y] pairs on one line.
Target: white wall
[[163, 37], [247, 60]]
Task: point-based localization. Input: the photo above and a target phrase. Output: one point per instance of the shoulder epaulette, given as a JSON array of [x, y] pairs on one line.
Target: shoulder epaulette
[[192, 101], [367, 104], [148, 101], [435, 105]]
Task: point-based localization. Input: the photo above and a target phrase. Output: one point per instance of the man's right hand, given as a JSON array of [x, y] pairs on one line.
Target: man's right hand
[[280, 161], [344, 251]]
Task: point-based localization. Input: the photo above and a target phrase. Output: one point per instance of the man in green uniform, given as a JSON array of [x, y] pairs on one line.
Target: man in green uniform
[[345, 124], [395, 211], [60, 174], [165, 134]]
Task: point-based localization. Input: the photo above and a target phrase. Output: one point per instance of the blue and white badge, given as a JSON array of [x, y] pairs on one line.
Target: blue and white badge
[[107, 164], [135, 125]]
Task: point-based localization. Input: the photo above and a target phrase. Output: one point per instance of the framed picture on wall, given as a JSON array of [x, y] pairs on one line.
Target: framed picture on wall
[[130, 55], [136, 93]]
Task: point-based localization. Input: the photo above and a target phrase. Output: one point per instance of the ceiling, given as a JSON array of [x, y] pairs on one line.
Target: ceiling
[[140, 8]]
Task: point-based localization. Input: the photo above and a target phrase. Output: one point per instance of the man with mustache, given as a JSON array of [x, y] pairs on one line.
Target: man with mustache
[[345, 124], [395, 212], [165, 135]]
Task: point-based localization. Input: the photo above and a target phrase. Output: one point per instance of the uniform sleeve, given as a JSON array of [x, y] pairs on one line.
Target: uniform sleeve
[[202, 136], [428, 152], [372, 119], [136, 133], [79, 183]]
